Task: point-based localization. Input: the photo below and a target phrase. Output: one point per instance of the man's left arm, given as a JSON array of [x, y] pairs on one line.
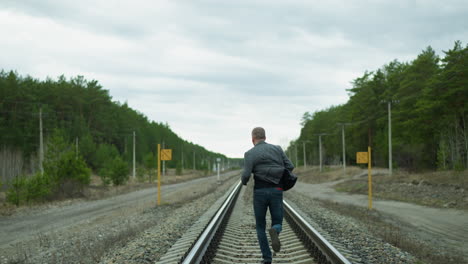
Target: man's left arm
[[287, 163], [248, 167]]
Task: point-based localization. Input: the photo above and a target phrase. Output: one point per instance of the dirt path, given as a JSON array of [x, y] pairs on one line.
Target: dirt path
[[24, 227], [430, 224]]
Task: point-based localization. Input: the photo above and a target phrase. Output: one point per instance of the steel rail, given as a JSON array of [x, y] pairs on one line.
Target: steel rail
[[197, 252], [323, 250], [318, 246]]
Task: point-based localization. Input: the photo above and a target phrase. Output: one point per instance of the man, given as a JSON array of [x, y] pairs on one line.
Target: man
[[267, 162]]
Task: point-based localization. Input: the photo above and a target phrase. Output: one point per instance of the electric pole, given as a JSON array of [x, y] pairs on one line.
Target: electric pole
[[297, 162], [389, 106], [134, 170], [164, 162], [320, 148], [41, 143], [304, 152], [194, 160], [182, 156], [218, 160], [344, 144], [320, 151], [390, 138]]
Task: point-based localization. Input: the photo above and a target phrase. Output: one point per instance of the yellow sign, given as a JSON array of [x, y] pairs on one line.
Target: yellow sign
[[361, 157], [166, 154]]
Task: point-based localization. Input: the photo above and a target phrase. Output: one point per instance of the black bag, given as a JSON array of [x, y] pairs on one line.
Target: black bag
[[289, 179]]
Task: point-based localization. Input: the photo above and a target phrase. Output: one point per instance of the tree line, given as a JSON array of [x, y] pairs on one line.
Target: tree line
[[428, 98], [80, 117]]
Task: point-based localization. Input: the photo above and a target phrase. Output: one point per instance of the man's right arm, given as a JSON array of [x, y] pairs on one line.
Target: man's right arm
[[248, 167]]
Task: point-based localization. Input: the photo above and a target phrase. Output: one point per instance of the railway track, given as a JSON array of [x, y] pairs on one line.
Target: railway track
[[226, 234]]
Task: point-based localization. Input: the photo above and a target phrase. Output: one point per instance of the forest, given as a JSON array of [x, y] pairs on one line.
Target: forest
[[428, 103], [80, 121]]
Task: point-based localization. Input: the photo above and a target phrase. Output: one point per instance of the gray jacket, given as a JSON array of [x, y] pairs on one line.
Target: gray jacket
[[267, 162]]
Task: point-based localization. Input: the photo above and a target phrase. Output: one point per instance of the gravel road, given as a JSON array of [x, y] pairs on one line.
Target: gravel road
[[447, 227]]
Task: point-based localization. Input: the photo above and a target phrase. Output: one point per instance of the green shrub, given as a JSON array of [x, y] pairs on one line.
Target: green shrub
[[68, 173], [88, 148], [140, 174], [150, 160], [38, 187], [179, 168], [115, 171], [119, 171], [104, 154], [33, 189], [105, 174], [17, 191]]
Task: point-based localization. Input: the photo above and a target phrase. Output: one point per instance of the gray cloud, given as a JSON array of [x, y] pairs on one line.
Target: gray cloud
[[215, 69]]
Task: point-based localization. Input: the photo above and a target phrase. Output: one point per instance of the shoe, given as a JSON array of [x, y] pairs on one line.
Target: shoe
[[265, 262], [275, 242]]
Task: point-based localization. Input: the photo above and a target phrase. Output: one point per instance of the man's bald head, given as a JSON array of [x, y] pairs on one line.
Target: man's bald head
[[258, 134]]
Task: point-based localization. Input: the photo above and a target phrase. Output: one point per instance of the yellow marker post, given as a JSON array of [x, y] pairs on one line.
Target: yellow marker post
[[369, 177], [363, 158], [159, 174]]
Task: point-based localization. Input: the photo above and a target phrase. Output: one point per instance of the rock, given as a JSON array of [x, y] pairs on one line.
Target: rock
[[415, 182], [450, 204], [423, 182]]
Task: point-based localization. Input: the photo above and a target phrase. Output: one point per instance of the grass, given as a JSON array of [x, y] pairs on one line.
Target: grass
[[96, 190], [379, 225], [332, 173], [435, 189]]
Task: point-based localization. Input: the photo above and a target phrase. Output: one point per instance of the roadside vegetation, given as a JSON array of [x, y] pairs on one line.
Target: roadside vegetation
[[441, 189], [312, 174]]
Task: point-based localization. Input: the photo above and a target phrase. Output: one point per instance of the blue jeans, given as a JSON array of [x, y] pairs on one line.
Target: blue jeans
[[265, 198]]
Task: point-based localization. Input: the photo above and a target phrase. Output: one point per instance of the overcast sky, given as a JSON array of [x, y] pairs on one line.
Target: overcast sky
[[215, 69]]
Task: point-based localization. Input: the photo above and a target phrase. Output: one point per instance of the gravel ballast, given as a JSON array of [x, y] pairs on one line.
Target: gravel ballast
[[127, 235], [155, 241], [347, 232]]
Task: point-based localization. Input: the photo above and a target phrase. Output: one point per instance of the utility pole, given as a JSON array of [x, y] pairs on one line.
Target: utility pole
[[344, 144], [320, 151], [182, 156], [390, 138], [194, 160], [389, 107], [344, 149], [320, 148], [164, 162], [41, 143], [297, 162], [304, 152], [134, 170], [218, 160]]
